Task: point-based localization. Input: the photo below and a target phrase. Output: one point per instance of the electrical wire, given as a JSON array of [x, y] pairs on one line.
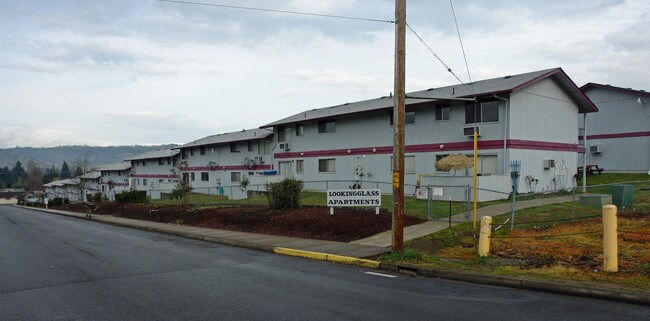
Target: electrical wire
[[277, 11], [461, 40], [439, 59]]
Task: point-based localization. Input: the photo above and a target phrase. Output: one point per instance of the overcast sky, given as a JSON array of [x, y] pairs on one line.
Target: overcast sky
[[116, 72]]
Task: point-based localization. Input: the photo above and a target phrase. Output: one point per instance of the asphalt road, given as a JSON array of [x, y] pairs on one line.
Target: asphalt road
[[60, 268]]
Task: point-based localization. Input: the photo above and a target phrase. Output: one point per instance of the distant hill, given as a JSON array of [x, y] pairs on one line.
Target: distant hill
[[48, 156]]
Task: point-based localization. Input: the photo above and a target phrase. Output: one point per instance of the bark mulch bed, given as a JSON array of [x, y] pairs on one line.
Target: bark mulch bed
[[307, 222]]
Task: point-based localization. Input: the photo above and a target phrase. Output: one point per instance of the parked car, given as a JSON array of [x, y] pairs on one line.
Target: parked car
[[31, 199]]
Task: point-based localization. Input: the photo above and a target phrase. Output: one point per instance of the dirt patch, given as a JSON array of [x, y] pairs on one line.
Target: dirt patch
[[307, 222]]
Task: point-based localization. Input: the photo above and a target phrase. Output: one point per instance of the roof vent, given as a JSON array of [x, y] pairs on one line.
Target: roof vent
[[508, 76], [430, 89]]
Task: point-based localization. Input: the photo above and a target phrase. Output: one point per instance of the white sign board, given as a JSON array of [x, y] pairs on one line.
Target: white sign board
[[421, 192], [354, 197]]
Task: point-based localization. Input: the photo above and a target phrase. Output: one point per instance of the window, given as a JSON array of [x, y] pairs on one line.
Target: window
[[234, 148], [235, 177], [183, 154], [282, 134], [483, 112], [439, 157], [205, 177], [299, 130], [250, 146], [263, 147], [442, 112], [169, 161], [203, 150], [144, 162], [161, 161], [191, 151], [486, 164], [300, 166], [192, 176], [409, 118], [326, 126], [409, 164], [144, 182], [161, 180], [327, 165]]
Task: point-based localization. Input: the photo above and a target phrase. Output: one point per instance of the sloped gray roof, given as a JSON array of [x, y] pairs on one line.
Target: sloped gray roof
[[164, 153], [91, 175], [592, 85], [59, 183], [479, 88], [244, 135], [122, 166]]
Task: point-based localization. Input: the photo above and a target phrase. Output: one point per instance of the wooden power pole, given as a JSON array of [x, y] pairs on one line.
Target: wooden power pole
[[398, 121]]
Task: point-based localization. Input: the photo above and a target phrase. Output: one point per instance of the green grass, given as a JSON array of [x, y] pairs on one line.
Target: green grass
[[611, 178]]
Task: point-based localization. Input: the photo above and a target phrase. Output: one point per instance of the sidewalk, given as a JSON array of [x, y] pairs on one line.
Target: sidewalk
[[415, 231]]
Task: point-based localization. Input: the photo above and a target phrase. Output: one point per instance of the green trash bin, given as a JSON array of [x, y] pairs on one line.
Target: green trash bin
[[622, 194]]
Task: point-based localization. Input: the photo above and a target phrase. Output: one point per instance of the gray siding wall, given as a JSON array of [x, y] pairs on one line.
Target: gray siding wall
[[618, 113]]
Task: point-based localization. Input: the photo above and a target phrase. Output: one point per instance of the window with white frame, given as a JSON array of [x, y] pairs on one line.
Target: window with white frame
[[409, 118], [300, 166], [299, 130], [326, 126], [409, 164], [235, 177], [439, 157], [205, 176], [442, 112], [482, 111], [234, 148], [327, 165], [486, 164], [192, 176]]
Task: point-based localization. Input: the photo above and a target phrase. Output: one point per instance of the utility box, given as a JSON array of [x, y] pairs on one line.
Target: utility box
[[622, 194], [596, 200]]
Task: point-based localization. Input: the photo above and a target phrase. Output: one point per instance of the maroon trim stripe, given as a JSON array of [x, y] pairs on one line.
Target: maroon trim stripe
[[155, 176], [616, 135], [446, 147], [225, 168]]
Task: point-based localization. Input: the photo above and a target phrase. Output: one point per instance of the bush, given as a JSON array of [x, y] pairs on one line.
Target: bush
[[181, 192], [284, 194], [97, 197], [131, 197], [66, 201], [57, 201]]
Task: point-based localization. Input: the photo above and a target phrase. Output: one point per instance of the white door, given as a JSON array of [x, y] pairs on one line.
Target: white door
[[285, 170]]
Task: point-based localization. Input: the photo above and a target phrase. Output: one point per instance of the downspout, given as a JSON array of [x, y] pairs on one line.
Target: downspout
[[584, 156], [505, 157]]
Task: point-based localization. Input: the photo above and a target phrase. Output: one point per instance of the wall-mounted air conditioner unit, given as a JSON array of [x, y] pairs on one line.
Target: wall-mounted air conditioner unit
[[183, 163], [284, 146], [469, 131], [596, 149], [259, 159], [549, 163]]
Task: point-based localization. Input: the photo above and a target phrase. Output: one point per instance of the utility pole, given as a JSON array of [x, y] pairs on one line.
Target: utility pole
[[398, 121]]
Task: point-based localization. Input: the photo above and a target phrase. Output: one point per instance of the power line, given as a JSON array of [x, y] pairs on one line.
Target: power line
[[461, 41], [278, 11], [439, 59]]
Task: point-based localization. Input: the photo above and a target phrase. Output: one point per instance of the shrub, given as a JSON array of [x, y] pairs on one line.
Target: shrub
[[97, 197], [284, 194], [181, 192], [66, 201], [131, 197], [57, 201]]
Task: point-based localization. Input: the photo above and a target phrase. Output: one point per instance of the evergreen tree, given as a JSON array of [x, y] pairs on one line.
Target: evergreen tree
[[65, 171], [19, 175], [51, 174], [78, 171], [5, 177]]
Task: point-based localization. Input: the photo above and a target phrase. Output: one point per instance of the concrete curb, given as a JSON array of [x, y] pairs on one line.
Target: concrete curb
[[566, 288], [347, 260]]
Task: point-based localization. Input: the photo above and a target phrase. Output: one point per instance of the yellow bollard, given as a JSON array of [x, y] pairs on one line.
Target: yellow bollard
[[610, 239], [484, 236]]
